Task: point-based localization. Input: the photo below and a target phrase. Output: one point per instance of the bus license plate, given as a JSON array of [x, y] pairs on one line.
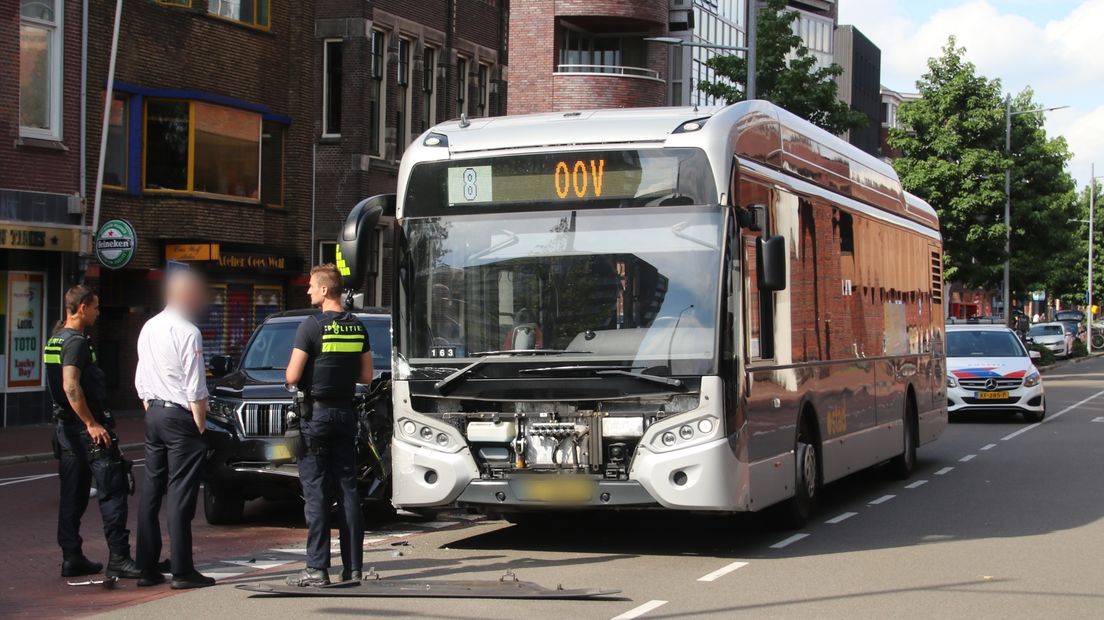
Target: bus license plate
[[558, 490], [992, 395]]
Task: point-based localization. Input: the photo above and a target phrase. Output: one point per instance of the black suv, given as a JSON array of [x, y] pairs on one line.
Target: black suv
[[247, 457]]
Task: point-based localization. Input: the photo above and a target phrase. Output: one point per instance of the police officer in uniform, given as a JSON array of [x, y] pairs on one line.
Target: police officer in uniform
[[330, 356], [86, 444]]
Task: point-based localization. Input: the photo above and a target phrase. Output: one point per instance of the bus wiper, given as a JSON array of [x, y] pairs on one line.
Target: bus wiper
[[669, 381], [569, 368], [457, 377]]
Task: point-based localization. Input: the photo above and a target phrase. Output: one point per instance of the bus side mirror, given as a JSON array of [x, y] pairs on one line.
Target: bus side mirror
[[772, 263], [356, 243], [221, 365]]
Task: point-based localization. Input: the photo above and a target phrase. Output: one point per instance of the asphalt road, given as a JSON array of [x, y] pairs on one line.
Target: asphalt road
[[1003, 519]]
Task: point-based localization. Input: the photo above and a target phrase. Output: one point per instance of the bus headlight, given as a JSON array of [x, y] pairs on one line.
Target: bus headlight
[[1032, 379], [434, 434], [952, 382], [682, 431]]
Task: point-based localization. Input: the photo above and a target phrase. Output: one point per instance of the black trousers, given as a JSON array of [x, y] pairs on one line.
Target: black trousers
[[174, 467], [329, 468], [75, 472]]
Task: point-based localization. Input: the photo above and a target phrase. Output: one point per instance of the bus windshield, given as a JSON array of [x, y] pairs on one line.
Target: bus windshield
[[634, 285]]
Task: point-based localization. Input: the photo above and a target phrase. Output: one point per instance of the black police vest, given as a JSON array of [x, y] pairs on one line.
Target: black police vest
[[93, 380], [335, 362]]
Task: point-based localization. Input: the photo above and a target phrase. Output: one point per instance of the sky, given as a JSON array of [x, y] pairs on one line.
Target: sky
[[1054, 46]]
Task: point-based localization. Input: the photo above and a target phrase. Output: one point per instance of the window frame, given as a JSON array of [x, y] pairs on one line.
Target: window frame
[[483, 81], [126, 99], [283, 165], [404, 65], [429, 86], [462, 70], [377, 72], [181, 4], [56, 82], [326, 86], [253, 24], [190, 186]]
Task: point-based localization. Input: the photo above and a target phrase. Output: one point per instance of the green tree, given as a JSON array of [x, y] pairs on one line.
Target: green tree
[[786, 74], [953, 140]]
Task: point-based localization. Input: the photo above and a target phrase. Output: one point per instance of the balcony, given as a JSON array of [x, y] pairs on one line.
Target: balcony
[[619, 70]]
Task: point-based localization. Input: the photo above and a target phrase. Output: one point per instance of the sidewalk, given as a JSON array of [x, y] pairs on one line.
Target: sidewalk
[[21, 444]]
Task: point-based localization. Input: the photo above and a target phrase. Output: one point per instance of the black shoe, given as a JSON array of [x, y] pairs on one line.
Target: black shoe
[[309, 577], [122, 567], [351, 575], [165, 566], [78, 565], [191, 580], [150, 579]]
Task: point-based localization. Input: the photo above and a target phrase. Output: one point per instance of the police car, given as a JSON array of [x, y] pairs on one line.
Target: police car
[[247, 416], [990, 370]]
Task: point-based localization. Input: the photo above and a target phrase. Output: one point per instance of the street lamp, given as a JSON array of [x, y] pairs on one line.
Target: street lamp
[[1091, 222], [1008, 114]]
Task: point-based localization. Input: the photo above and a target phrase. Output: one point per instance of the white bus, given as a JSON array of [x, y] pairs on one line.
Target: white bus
[[710, 310]]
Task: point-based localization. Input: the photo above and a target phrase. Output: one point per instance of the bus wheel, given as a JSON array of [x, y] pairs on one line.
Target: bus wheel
[[903, 464], [796, 510]]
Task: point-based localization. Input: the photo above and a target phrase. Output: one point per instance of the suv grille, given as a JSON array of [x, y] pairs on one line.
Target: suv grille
[[264, 419], [979, 384]]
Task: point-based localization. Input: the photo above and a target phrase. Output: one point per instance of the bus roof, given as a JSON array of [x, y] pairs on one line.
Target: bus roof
[[755, 130]]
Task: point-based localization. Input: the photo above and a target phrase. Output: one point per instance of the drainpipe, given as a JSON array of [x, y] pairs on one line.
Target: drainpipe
[[84, 103], [106, 118]]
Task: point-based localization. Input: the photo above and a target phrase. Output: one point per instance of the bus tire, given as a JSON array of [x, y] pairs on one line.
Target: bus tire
[[903, 464], [795, 511]]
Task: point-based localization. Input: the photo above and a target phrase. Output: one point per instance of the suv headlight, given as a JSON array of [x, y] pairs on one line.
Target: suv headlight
[[430, 434], [1032, 379], [220, 409], [951, 381]]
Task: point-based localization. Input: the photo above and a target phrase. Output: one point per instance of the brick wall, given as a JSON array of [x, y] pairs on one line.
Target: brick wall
[[572, 92], [653, 11]]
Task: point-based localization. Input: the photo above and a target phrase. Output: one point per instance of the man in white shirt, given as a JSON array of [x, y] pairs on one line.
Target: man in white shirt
[[171, 381]]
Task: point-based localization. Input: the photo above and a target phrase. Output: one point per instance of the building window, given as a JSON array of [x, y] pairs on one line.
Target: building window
[[250, 12], [429, 82], [461, 86], [377, 91], [484, 102], [331, 89], [168, 140], [405, 96], [40, 68], [587, 52], [272, 164], [192, 146], [115, 164]]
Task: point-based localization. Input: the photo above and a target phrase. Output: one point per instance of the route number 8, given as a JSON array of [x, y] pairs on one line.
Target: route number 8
[[471, 190]]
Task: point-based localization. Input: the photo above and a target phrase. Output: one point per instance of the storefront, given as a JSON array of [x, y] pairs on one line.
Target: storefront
[[35, 262]]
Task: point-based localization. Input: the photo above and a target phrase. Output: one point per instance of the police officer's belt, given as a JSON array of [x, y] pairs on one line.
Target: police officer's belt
[[166, 404]]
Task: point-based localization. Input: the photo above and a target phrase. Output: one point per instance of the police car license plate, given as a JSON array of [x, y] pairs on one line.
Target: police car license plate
[[278, 452], [557, 490], [992, 395]]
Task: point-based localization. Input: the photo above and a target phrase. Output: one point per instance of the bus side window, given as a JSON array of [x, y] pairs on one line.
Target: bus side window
[[759, 305]]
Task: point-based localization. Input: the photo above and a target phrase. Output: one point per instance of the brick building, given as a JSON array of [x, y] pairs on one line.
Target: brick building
[[208, 157], [40, 190], [387, 71], [571, 54]]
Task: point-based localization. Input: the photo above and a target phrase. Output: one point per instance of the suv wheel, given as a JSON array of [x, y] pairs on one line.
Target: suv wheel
[[222, 506]]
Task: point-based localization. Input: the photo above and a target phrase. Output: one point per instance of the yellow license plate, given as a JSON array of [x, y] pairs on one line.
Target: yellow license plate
[[279, 452], [558, 490], [992, 395]]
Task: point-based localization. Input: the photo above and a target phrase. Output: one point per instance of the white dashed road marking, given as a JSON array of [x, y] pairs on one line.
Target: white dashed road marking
[[724, 570], [918, 483], [968, 457], [27, 479], [989, 446], [1052, 417], [944, 471], [841, 518], [636, 612], [881, 500], [789, 541]]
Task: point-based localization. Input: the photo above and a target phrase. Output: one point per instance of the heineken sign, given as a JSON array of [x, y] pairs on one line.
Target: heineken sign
[[116, 243]]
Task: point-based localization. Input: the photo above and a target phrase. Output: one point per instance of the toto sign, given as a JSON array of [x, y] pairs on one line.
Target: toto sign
[[116, 243]]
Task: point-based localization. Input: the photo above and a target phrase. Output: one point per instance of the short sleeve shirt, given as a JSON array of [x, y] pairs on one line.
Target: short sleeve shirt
[[334, 343], [69, 347]]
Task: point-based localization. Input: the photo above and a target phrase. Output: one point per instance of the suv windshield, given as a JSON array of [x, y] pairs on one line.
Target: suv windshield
[[984, 343], [271, 346], [636, 285]]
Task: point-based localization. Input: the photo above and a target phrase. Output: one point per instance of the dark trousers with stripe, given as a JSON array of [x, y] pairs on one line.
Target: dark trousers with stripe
[[174, 467], [328, 470], [76, 470]]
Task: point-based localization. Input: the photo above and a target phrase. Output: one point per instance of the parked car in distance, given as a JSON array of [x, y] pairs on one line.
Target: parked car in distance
[[247, 416], [1052, 336], [989, 369]]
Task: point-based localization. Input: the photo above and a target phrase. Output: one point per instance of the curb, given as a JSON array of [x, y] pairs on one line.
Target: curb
[[49, 456], [1067, 362]]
